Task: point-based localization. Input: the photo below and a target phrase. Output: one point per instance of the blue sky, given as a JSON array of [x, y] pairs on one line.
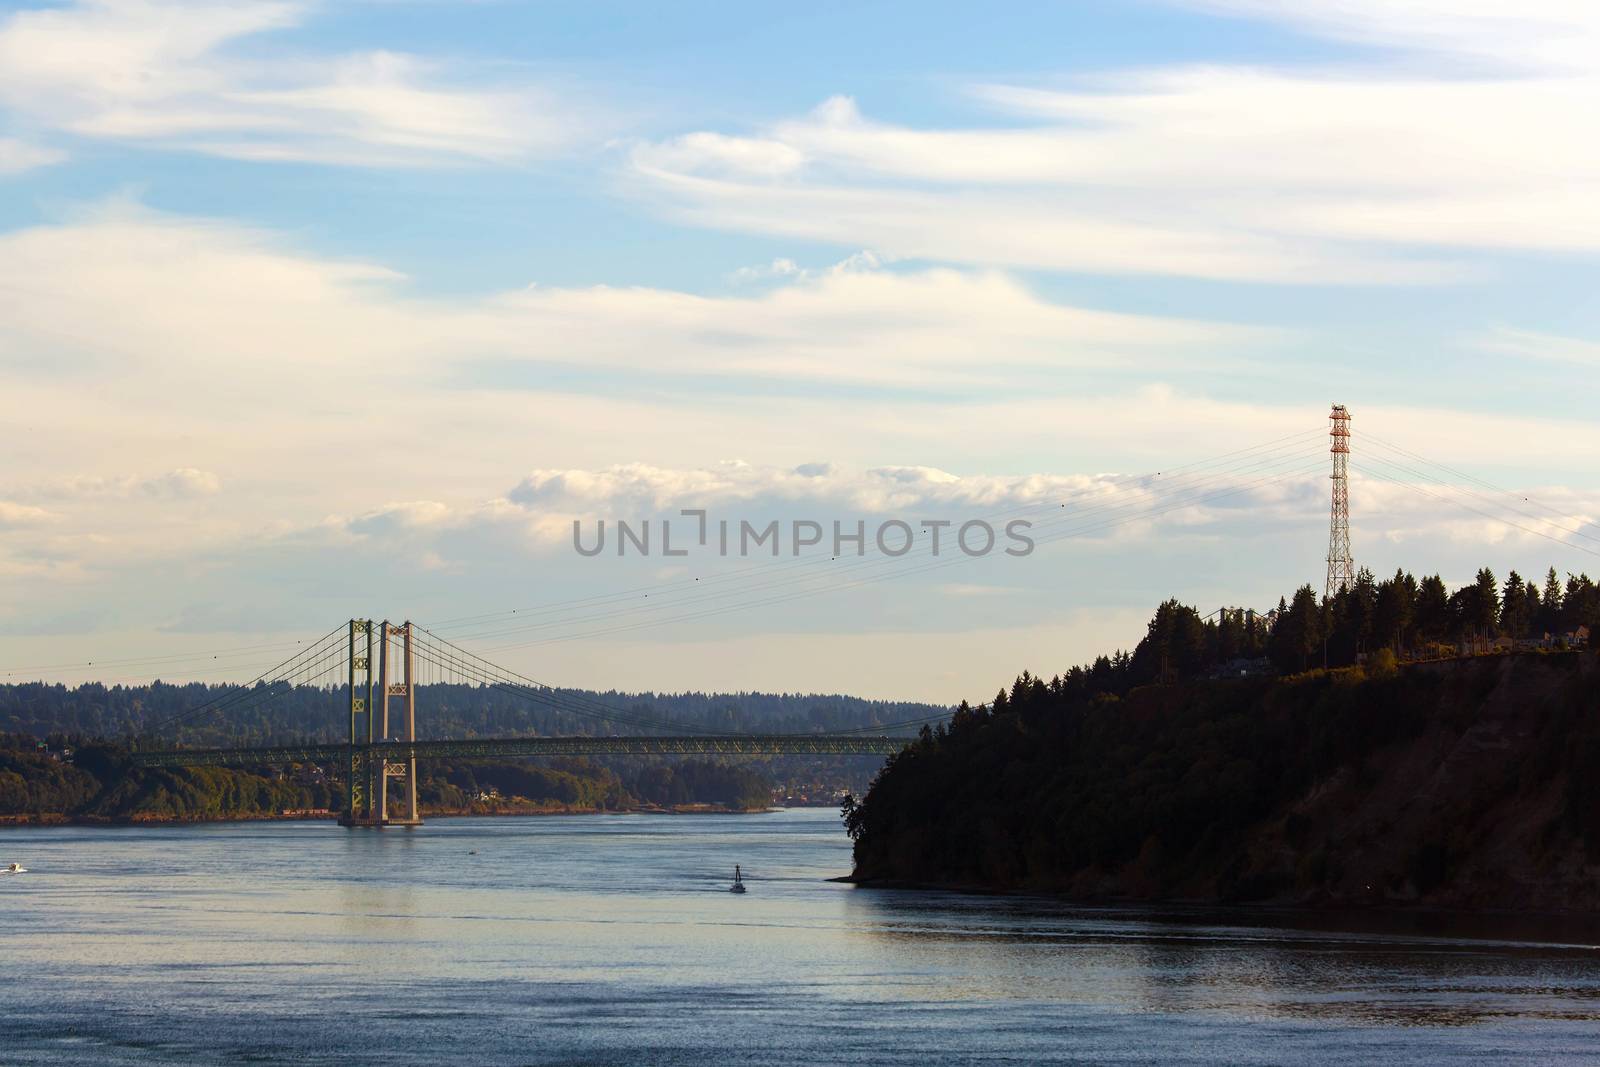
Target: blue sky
[[300, 300]]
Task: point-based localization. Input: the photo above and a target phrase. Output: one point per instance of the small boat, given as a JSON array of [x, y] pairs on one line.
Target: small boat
[[15, 868], [738, 881]]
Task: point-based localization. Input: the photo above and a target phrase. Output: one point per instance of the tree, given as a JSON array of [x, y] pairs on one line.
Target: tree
[[1514, 607], [1532, 610], [1363, 599], [853, 815], [1298, 634], [1433, 609], [1174, 645], [1550, 603], [1482, 605], [1580, 603], [1393, 611]]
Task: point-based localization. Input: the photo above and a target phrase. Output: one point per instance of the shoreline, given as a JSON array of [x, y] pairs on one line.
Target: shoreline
[[57, 819], [1325, 906]]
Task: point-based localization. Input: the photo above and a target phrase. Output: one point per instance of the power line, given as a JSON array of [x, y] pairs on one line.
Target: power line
[[190, 657], [1390, 464], [1577, 532]]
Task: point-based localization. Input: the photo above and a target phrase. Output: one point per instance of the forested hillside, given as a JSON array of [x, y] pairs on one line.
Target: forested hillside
[[65, 777], [1162, 773]]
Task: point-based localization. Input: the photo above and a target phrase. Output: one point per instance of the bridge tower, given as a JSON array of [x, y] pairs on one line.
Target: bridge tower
[[358, 807], [370, 722], [406, 688], [1341, 568]]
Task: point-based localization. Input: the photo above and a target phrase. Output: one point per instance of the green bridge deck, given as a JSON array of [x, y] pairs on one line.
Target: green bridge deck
[[703, 745]]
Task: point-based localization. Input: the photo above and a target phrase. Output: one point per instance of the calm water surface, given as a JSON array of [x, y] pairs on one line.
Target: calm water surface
[[613, 940]]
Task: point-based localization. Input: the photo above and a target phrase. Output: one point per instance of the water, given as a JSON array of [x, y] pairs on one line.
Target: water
[[613, 940]]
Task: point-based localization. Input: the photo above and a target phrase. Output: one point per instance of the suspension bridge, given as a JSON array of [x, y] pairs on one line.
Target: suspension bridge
[[380, 662]]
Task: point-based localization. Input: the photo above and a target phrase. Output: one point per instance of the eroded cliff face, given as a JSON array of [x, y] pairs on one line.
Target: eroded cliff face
[[1473, 784], [1489, 806]]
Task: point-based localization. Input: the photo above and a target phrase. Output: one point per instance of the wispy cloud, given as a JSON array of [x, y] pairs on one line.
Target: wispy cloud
[[18, 156], [14, 515], [1539, 34], [176, 74], [184, 482], [1531, 344], [1316, 174], [270, 309]]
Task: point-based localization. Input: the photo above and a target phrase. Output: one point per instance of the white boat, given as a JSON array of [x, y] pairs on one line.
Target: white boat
[[15, 868], [738, 881]]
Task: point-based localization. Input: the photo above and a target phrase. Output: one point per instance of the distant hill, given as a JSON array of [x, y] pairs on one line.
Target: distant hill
[[1472, 783], [313, 713]]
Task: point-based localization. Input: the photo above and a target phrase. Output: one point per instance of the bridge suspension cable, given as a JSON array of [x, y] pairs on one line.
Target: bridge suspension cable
[[450, 657], [309, 662]]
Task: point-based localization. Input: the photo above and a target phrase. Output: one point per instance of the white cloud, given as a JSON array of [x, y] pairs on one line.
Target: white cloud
[[1532, 344], [782, 267], [13, 515], [403, 516], [1036, 229], [1318, 174], [642, 489], [172, 73], [785, 268], [1538, 33], [18, 156], [184, 482], [272, 313]]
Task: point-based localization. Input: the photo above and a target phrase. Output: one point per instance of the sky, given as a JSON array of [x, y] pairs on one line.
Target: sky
[[311, 311]]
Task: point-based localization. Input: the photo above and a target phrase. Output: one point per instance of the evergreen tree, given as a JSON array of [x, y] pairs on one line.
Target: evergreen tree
[[1393, 610], [1482, 606], [1433, 609], [1513, 607], [1174, 645], [1550, 602], [1298, 634], [1580, 603]]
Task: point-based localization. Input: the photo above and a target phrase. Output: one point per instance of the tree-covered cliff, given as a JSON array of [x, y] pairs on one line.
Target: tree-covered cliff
[[1472, 783]]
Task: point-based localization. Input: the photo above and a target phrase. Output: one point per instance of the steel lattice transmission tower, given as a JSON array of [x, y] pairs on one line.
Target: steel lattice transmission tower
[[1341, 568]]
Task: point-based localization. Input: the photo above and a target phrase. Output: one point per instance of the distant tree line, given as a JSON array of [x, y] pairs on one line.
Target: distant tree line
[[69, 776], [1402, 613], [277, 713]]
